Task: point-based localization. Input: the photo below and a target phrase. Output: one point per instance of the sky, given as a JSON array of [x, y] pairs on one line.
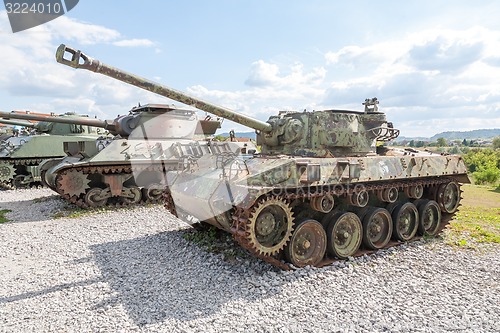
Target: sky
[[433, 65]]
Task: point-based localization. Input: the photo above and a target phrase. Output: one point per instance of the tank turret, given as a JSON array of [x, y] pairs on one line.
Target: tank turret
[[65, 124], [320, 133], [127, 168]]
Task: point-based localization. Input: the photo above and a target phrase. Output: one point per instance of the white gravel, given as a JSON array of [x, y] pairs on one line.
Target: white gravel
[[131, 270]]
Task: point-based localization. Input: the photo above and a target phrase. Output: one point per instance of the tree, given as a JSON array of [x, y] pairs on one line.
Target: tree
[[496, 143], [220, 138], [484, 165], [465, 142], [454, 150], [441, 142], [420, 144]]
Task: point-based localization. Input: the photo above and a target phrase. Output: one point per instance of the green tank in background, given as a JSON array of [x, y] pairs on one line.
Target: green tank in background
[[324, 186], [21, 154]]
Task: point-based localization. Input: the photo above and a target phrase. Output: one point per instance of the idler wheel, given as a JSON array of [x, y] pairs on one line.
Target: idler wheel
[[270, 225], [430, 217], [307, 245], [414, 192], [96, 197], [344, 234], [448, 197], [377, 228], [405, 219], [133, 195], [17, 182]]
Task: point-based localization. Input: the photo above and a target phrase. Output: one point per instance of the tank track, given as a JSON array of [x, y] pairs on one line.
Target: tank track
[[118, 169], [24, 162], [241, 216]]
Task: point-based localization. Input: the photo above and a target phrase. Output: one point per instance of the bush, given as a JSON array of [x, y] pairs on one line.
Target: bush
[[484, 164], [454, 150]]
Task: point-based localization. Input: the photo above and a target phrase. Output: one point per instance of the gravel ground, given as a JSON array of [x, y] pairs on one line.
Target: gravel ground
[[131, 270]]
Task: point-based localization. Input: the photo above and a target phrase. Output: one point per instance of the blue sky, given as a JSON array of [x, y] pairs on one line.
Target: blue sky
[[434, 65]]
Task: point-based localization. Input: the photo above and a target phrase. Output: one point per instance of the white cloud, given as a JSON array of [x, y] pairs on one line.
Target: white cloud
[[264, 75], [81, 32], [428, 81], [134, 43], [439, 76], [30, 74], [270, 90]]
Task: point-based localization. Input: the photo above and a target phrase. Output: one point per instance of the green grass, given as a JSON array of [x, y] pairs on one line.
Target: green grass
[[214, 240], [3, 219], [478, 219], [481, 224]]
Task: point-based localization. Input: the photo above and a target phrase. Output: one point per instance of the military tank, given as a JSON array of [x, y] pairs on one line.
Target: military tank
[[324, 186], [21, 154], [127, 166], [322, 189]]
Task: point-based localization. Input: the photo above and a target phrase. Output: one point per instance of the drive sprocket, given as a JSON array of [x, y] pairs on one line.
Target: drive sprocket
[[73, 183], [269, 226], [7, 172]]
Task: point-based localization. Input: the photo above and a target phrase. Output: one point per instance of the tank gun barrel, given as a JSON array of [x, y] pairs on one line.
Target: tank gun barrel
[[16, 123], [80, 60], [56, 119]]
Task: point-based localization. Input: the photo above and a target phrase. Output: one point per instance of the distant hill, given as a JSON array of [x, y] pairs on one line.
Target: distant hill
[[450, 135], [407, 138], [475, 134], [457, 135]]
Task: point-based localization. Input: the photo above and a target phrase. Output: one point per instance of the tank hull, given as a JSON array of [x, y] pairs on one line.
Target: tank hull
[[20, 157], [126, 171]]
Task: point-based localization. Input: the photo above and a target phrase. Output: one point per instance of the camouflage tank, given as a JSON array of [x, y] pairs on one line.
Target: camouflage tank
[[322, 189], [21, 154], [324, 186]]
